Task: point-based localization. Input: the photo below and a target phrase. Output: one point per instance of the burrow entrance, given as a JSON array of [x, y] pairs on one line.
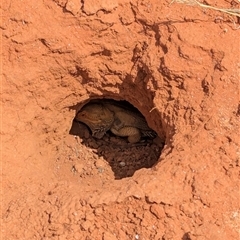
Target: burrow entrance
[[98, 124]]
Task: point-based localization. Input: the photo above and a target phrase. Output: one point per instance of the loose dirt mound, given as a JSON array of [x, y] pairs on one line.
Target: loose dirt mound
[[177, 64]]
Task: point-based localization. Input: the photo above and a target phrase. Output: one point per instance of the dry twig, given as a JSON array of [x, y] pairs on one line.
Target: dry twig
[[231, 11]]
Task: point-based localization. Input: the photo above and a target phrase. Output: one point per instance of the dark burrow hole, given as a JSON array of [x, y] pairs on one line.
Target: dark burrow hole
[[123, 156]]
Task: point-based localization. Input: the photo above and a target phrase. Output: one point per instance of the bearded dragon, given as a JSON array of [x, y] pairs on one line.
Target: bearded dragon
[[102, 116]]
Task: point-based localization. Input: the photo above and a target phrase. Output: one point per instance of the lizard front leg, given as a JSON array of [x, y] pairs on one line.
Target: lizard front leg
[[133, 134], [98, 132]]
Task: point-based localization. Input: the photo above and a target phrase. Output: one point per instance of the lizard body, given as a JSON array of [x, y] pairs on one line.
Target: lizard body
[[103, 116]]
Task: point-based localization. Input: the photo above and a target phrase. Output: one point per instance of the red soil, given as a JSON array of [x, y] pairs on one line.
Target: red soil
[[178, 64]]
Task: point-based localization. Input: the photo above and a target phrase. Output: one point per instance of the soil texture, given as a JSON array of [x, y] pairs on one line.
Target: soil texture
[[178, 64]]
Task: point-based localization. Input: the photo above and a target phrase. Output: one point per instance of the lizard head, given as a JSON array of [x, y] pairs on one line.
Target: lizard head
[[95, 115]]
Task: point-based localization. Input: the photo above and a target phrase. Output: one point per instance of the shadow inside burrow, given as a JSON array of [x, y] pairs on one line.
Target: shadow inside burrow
[[123, 157]]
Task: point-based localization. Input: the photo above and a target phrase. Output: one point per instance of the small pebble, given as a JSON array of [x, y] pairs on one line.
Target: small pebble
[[136, 236], [122, 164], [100, 163], [78, 167]]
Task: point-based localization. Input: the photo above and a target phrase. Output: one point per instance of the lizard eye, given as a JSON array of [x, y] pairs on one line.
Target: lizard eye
[[81, 114]]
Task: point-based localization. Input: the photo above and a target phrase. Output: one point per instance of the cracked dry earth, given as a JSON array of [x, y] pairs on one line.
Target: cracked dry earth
[[177, 64]]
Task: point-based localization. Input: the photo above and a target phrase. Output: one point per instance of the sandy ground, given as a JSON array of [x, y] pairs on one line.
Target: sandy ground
[[177, 64]]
